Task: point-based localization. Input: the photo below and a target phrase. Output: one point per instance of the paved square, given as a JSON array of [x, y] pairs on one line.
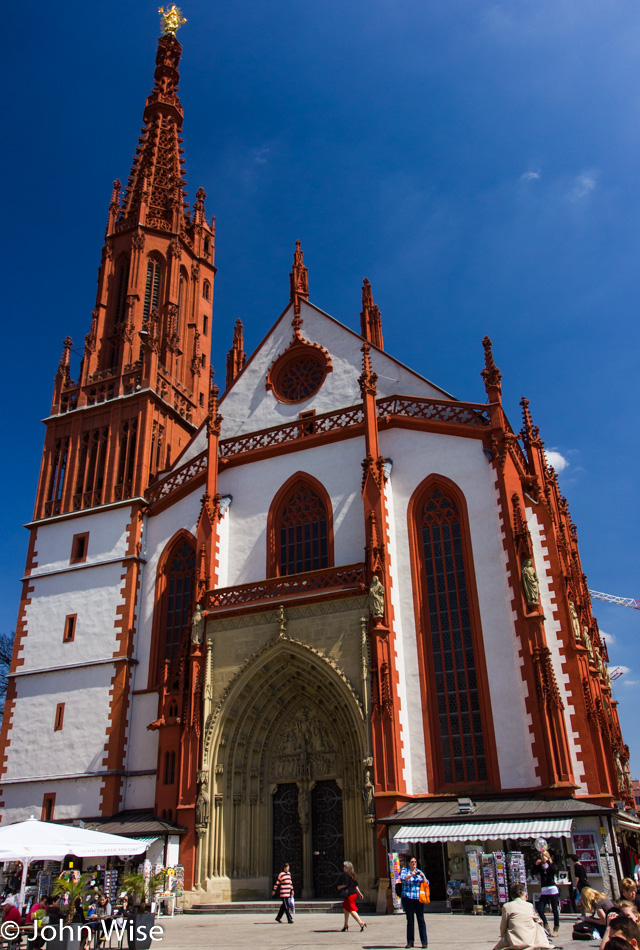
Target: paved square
[[310, 931]]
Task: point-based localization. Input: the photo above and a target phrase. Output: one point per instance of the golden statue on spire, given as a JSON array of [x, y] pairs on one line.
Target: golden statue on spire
[[172, 19]]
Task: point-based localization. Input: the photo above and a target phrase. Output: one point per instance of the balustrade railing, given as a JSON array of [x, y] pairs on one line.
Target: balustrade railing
[[461, 413], [180, 477], [291, 431], [349, 579]]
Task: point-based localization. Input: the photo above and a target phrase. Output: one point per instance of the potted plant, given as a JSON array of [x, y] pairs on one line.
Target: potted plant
[[71, 936], [141, 922]]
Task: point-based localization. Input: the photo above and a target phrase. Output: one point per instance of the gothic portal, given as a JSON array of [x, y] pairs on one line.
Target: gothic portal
[[287, 749]]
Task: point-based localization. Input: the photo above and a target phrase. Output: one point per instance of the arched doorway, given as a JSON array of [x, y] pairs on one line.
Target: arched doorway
[[285, 751]]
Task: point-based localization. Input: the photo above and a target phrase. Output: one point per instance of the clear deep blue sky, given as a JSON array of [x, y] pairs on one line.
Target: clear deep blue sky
[[477, 161]]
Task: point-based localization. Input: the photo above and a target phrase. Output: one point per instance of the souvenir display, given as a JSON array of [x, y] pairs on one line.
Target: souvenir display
[[501, 876], [474, 876], [489, 881]]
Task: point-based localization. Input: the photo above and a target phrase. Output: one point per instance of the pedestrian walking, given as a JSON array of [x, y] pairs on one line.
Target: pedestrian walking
[[350, 891], [581, 876], [412, 877], [283, 888]]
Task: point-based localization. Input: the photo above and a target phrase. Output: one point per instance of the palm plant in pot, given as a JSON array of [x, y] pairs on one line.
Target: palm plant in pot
[[70, 938]]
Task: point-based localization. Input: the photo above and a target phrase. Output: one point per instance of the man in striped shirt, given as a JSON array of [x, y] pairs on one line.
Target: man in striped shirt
[[284, 887]]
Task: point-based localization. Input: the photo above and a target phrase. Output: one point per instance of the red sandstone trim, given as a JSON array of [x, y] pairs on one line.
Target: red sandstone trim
[[117, 723], [16, 660]]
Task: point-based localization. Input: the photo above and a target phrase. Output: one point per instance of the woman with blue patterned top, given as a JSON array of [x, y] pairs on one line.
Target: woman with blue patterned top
[[412, 877]]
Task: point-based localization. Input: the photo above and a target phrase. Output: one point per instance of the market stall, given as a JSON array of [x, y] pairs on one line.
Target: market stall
[[473, 852]]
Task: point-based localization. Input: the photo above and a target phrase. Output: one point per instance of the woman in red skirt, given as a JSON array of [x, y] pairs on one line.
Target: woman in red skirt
[[350, 890]]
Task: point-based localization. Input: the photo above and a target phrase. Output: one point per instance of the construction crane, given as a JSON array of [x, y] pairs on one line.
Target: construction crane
[[612, 599]]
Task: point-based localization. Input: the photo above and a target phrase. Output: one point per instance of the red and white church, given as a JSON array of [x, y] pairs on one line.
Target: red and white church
[[299, 618]]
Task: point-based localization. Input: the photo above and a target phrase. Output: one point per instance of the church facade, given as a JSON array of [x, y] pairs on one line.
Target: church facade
[[276, 615]]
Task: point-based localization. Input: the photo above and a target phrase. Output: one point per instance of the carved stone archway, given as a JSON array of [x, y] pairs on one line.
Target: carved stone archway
[[289, 716]]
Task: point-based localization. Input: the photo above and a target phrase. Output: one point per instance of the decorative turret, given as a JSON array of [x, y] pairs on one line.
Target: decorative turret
[[298, 279], [370, 319], [155, 193], [143, 383], [491, 374], [236, 357]]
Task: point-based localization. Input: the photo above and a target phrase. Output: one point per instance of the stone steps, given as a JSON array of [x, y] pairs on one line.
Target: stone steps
[[271, 907]]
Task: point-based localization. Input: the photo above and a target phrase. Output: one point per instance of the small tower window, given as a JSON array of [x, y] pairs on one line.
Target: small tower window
[[69, 628], [79, 547], [122, 284], [205, 325], [206, 290], [152, 287], [48, 806], [59, 720], [169, 768]]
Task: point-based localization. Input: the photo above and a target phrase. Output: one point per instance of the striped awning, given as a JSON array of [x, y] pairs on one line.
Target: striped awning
[[148, 840], [487, 830]]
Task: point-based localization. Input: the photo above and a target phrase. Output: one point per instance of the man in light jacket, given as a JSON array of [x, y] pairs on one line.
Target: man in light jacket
[[520, 927]]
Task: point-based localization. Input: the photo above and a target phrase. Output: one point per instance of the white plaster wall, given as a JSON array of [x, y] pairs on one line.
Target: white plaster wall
[[93, 595], [552, 631], [413, 750], [415, 456], [336, 465], [223, 549], [36, 750], [249, 406], [107, 538], [75, 798], [173, 850], [142, 747], [139, 792]]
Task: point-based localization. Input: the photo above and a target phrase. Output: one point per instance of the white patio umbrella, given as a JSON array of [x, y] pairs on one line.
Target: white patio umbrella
[[34, 840]]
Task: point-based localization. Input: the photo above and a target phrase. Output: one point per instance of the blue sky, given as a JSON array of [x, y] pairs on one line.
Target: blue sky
[[477, 161]]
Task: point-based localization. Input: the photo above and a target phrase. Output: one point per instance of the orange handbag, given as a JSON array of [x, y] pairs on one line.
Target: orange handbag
[[425, 893]]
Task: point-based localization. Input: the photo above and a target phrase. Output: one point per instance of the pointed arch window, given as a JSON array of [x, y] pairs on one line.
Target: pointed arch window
[[180, 585], [300, 529], [449, 648], [152, 287]]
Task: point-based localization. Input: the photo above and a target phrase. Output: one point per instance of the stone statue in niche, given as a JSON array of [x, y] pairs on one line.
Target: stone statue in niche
[[575, 623], [202, 801], [587, 642], [376, 598], [197, 625], [281, 621], [368, 792], [303, 807], [530, 583], [598, 659]]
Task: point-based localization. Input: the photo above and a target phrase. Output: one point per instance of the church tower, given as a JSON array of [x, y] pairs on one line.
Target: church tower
[[143, 385]]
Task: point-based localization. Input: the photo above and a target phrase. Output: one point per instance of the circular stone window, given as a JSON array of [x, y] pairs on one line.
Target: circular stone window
[[297, 375]]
